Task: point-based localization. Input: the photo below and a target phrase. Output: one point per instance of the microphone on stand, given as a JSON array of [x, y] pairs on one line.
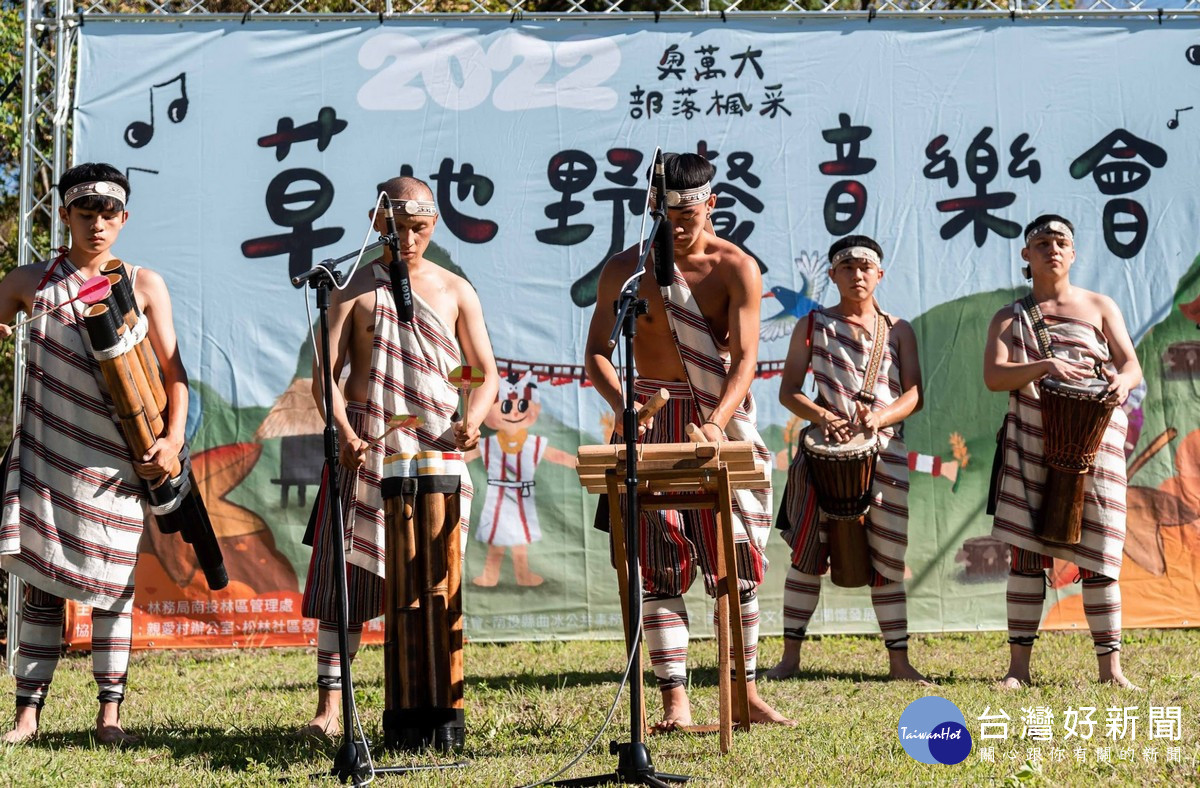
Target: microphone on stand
[[664, 244], [397, 269]]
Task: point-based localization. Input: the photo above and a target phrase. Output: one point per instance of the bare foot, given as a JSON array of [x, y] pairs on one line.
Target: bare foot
[[115, 736], [327, 723], [531, 580], [25, 725], [1111, 673], [760, 711], [483, 581], [677, 711], [323, 729], [900, 669], [1014, 682], [20, 733], [789, 663], [1117, 679]]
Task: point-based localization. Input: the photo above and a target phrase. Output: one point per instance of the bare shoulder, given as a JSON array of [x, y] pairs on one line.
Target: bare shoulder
[[25, 278], [1002, 318], [732, 261], [148, 282], [464, 291], [360, 284], [903, 329]]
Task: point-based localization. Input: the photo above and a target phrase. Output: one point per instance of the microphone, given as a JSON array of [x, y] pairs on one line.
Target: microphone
[[397, 269], [664, 243]]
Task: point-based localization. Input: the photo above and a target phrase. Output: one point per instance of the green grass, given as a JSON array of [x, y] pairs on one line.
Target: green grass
[[224, 718]]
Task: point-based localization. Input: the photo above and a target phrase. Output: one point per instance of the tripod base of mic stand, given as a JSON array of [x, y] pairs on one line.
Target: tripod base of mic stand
[[350, 765], [634, 767]]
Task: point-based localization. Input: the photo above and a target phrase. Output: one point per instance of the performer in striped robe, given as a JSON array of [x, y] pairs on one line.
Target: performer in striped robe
[[74, 505], [394, 368], [1086, 332], [699, 341], [836, 344]]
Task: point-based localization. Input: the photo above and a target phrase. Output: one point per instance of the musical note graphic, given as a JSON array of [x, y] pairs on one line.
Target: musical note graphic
[[1173, 123], [139, 132]]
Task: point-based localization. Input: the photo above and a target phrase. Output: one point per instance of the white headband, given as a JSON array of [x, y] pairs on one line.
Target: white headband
[[98, 188], [1052, 226], [855, 253], [416, 207], [682, 198]]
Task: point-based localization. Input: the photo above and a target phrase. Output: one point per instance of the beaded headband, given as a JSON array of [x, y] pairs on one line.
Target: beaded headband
[[1053, 226], [416, 207], [97, 188], [856, 253], [682, 198]]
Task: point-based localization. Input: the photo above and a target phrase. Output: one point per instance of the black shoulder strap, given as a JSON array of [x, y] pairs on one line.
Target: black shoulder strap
[[1039, 325]]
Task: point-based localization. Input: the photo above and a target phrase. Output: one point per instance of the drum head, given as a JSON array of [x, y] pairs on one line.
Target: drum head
[[1093, 388], [815, 442]]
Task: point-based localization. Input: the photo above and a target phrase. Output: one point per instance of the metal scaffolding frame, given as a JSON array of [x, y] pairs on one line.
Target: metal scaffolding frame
[[52, 30]]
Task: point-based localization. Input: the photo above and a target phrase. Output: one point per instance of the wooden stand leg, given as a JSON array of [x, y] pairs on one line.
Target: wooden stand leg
[[733, 594], [616, 527], [724, 706]]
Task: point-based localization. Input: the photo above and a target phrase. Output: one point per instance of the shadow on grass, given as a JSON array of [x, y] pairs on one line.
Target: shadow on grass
[[220, 748], [549, 681]]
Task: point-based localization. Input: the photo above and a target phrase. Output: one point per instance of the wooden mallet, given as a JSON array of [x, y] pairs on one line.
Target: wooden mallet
[[653, 405], [400, 421], [93, 291], [465, 378]]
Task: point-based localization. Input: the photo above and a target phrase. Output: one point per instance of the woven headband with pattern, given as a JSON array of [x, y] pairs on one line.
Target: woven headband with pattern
[[682, 198], [1056, 227], [856, 253], [416, 207], [97, 188]]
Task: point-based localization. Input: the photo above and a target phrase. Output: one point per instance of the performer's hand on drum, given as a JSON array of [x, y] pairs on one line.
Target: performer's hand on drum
[[870, 420], [1118, 388], [465, 437], [835, 427], [353, 452], [159, 460], [1064, 369], [6, 331]]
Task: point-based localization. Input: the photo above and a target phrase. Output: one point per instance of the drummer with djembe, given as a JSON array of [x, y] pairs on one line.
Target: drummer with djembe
[[846, 504], [1058, 488]]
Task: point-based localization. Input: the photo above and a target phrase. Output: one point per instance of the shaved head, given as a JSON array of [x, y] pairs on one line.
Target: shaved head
[[407, 188]]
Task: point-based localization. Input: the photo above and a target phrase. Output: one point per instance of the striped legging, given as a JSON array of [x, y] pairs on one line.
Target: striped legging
[[1027, 593], [40, 645]]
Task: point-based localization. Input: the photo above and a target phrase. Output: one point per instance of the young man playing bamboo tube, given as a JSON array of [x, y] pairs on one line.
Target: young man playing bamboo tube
[[74, 502], [1086, 333], [699, 341], [836, 344], [394, 368]]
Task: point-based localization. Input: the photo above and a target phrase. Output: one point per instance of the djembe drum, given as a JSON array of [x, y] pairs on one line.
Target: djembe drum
[[1075, 416], [842, 475], [423, 662]]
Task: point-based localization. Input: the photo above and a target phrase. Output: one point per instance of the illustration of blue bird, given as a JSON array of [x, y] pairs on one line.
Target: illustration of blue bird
[[810, 269]]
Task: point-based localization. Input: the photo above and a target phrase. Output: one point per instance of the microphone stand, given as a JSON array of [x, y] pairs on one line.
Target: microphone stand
[[634, 766], [352, 762]]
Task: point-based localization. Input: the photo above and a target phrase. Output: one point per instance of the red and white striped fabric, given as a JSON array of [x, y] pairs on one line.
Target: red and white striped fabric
[[1020, 495], [840, 354], [410, 367], [706, 365], [73, 508]]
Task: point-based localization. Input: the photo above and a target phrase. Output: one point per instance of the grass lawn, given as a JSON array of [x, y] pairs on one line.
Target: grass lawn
[[225, 718]]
